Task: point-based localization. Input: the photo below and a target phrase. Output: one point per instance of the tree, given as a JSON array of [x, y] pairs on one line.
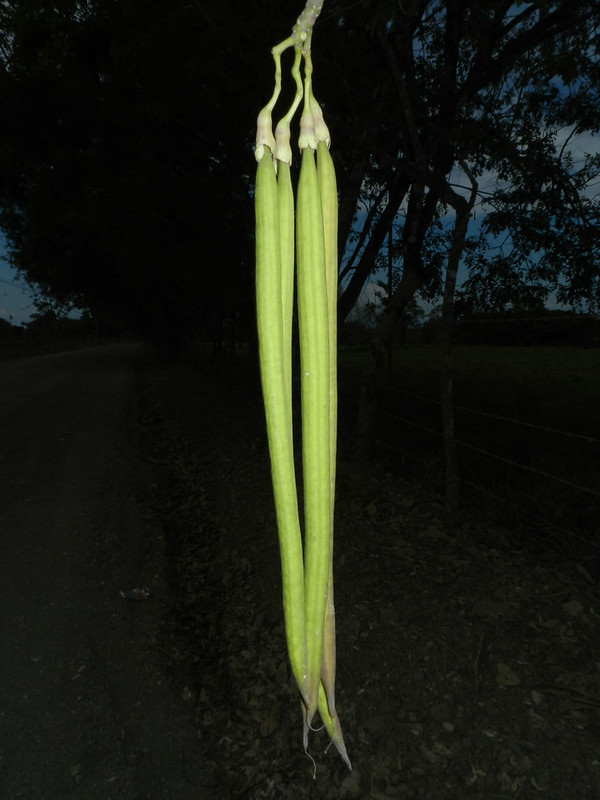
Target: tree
[[489, 86], [120, 185], [126, 164], [493, 86]]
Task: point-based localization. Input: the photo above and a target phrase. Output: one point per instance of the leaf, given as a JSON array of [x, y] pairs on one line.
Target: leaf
[[505, 676]]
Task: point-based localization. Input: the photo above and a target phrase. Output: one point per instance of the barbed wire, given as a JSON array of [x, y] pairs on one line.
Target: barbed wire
[[521, 509], [489, 414], [495, 456], [410, 422], [527, 468]]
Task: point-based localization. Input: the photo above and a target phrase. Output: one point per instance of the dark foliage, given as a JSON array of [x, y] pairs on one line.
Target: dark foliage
[[126, 163]]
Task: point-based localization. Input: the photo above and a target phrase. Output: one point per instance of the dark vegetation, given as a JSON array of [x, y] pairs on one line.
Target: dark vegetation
[[515, 327], [126, 165], [527, 328], [48, 331]]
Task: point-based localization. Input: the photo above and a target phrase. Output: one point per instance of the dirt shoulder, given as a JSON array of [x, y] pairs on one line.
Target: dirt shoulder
[[466, 667], [85, 711]]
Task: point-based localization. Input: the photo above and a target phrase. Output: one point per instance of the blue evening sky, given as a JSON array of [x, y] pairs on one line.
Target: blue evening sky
[[16, 298]]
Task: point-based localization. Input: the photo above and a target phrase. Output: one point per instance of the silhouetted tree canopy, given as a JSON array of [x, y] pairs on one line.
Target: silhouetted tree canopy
[[126, 163]]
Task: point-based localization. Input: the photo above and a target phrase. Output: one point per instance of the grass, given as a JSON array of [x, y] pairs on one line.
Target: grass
[[551, 386], [16, 351], [544, 387]]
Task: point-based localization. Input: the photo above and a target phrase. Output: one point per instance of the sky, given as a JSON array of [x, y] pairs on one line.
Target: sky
[[16, 298], [579, 145]]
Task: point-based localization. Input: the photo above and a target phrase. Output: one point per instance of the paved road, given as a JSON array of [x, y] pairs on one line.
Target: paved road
[[84, 710]]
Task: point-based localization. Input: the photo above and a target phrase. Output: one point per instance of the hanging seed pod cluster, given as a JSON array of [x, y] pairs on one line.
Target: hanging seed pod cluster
[[296, 244]]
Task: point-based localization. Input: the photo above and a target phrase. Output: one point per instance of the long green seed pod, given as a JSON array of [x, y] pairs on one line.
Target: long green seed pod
[[307, 584], [329, 205], [314, 365], [287, 242], [277, 412]]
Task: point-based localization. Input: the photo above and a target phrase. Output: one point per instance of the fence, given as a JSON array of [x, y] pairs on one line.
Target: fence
[[541, 480]]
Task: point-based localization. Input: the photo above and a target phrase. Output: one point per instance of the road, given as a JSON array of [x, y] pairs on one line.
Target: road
[[85, 711]]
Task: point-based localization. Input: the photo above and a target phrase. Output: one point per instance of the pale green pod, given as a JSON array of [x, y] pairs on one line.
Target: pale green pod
[[314, 364], [288, 245], [333, 727], [329, 206], [269, 315]]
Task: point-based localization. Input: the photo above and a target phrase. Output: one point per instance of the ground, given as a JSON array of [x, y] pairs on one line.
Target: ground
[[467, 667], [85, 710]]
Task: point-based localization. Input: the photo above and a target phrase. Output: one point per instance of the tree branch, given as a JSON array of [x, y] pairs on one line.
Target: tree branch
[[351, 294]]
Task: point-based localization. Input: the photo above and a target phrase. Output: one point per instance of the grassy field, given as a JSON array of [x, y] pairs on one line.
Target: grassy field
[[551, 386], [527, 423]]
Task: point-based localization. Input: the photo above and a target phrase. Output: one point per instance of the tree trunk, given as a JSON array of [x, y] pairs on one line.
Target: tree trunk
[[349, 194], [390, 278], [364, 268], [463, 213], [446, 392], [384, 332]]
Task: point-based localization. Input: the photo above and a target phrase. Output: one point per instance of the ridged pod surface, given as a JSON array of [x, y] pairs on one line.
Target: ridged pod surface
[[329, 207], [285, 193], [314, 364], [269, 313]]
